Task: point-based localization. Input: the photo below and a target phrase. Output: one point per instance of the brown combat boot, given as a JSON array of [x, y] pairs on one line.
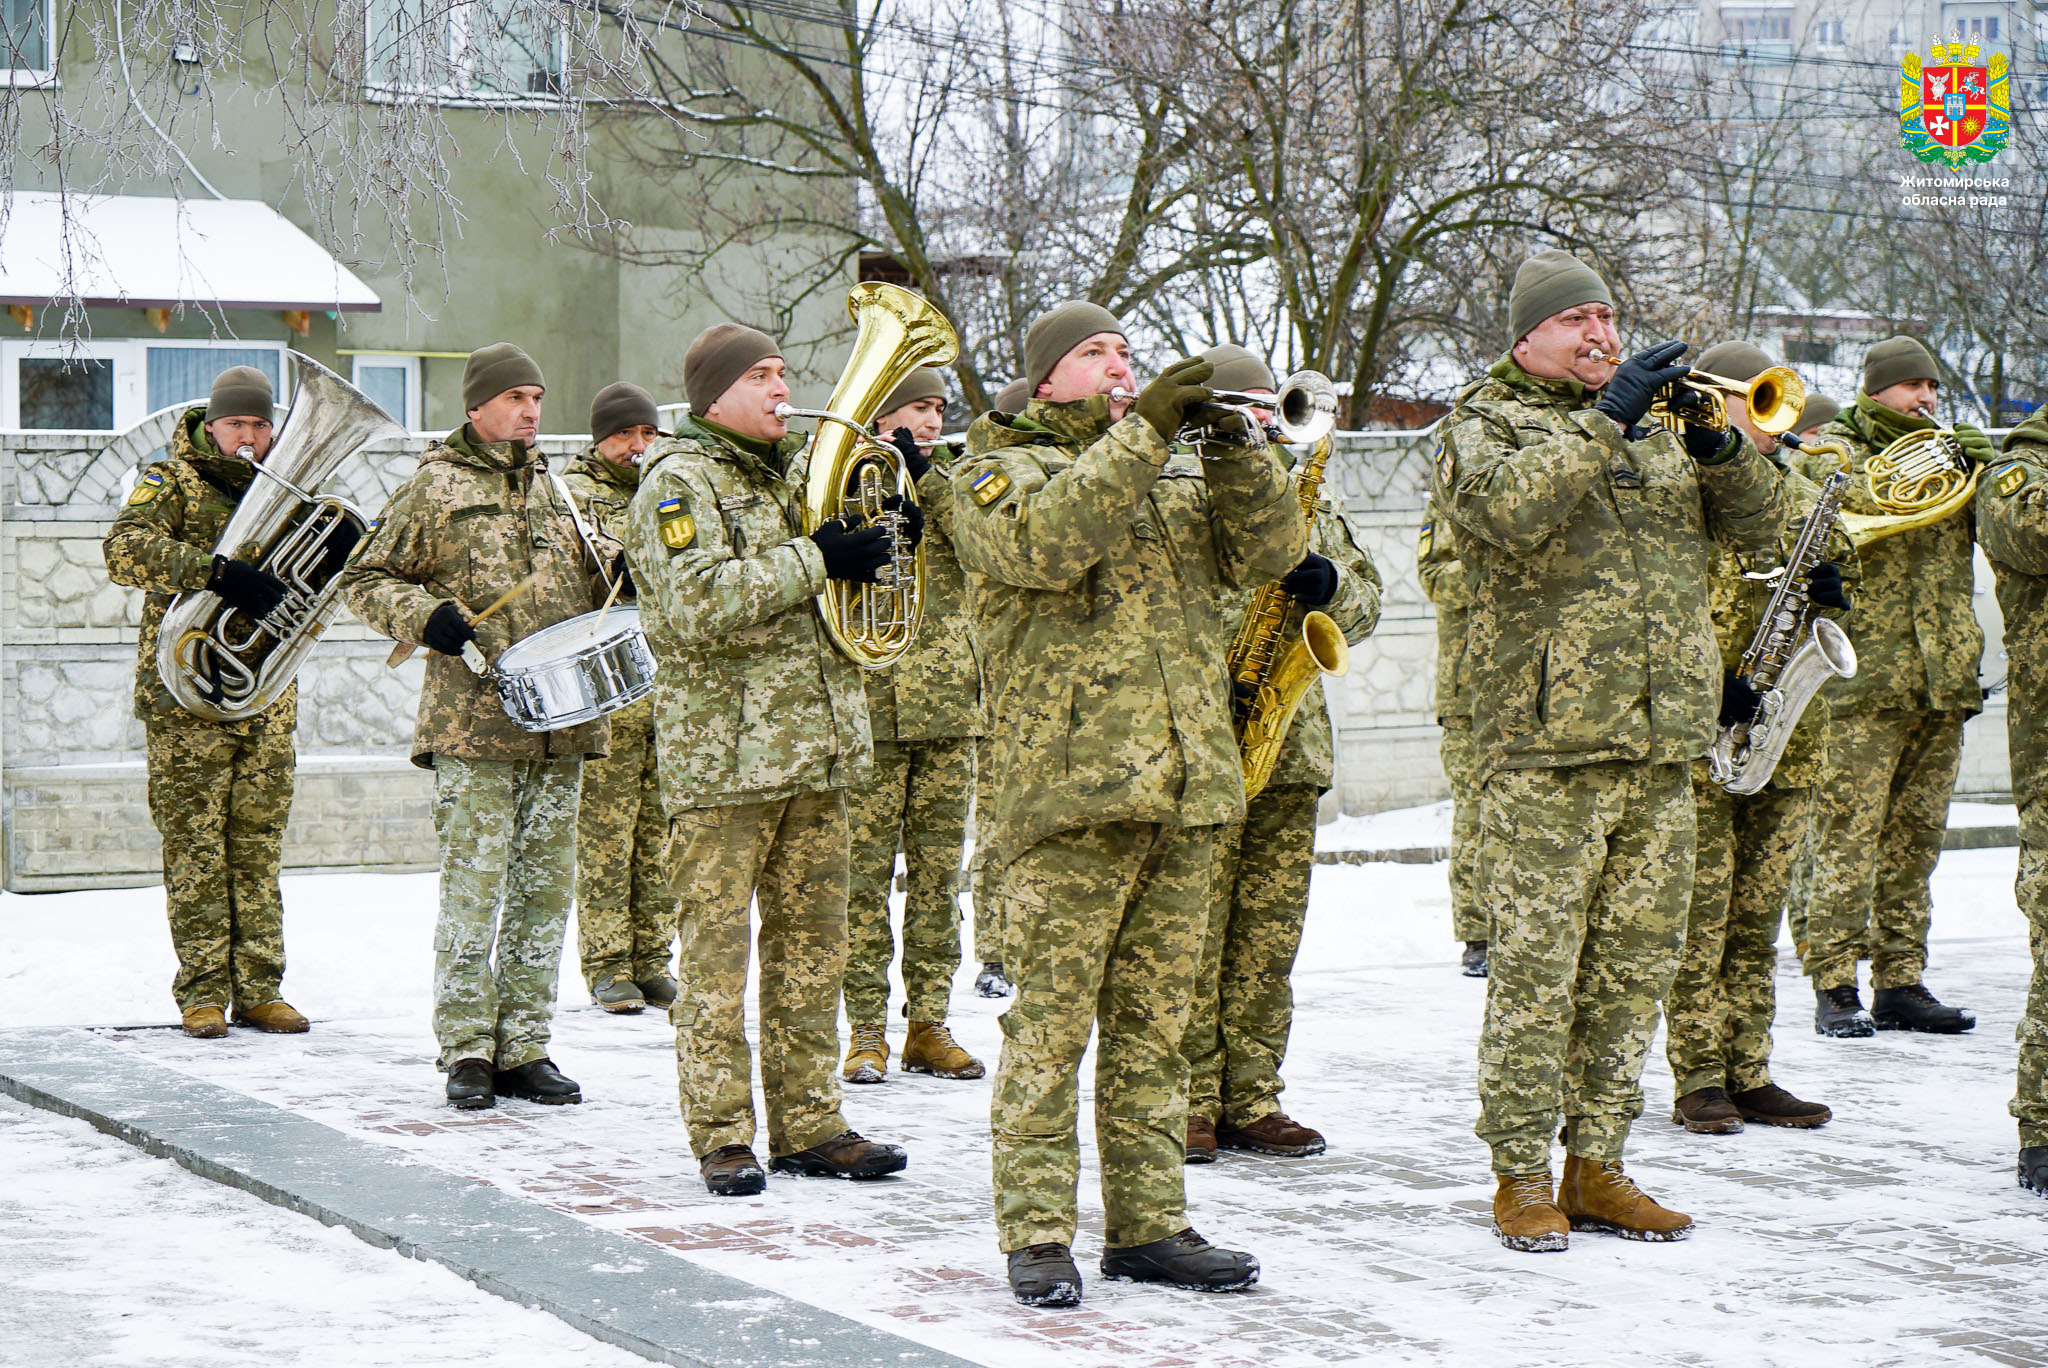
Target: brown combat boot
[[867, 1056], [1201, 1146], [1272, 1134], [1599, 1196], [1707, 1111], [931, 1049], [732, 1171], [205, 1022], [1773, 1106], [276, 1016], [1525, 1216], [846, 1155]]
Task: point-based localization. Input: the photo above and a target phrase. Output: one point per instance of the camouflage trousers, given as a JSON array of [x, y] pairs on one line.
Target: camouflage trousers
[[508, 870], [1588, 874], [1243, 1004], [1461, 768], [791, 855], [220, 796], [1877, 831], [625, 911], [917, 803], [990, 946], [1106, 923], [2030, 1099], [1717, 1020]]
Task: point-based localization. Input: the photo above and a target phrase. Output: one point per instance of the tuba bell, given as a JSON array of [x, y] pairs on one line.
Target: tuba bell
[[217, 661], [851, 473]]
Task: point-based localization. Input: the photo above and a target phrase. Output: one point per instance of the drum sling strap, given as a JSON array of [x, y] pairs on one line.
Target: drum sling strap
[[561, 485]]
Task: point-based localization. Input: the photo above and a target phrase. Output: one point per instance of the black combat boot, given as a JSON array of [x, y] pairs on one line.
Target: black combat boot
[[991, 982], [660, 991], [1913, 1008], [1472, 964], [469, 1085], [1838, 1012], [849, 1155], [539, 1081], [2034, 1169], [732, 1171], [1183, 1260], [1044, 1275]]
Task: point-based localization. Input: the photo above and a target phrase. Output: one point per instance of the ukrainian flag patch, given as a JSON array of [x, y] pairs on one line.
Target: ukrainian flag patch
[[147, 488], [2010, 479], [1422, 543], [678, 528], [988, 486]]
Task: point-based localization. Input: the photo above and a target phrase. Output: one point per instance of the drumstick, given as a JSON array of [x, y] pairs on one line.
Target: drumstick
[[402, 652], [609, 600]]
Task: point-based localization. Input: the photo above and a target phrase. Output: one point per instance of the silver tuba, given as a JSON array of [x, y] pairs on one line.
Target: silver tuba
[[218, 662]]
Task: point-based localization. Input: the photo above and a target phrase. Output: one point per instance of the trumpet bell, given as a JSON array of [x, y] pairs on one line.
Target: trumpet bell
[[1306, 409], [1775, 398]]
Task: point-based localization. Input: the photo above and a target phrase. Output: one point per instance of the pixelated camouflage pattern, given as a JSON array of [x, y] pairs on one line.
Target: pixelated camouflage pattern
[[990, 943], [1107, 922], [2012, 524], [163, 542], [1878, 821], [472, 522], [603, 489], [1096, 578], [790, 853], [1461, 769], [1590, 637], [625, 910], [508, 871], [1717, 1019], [1587, 872], [1448, 584], [917, 802], [752, 702], [220, 795], [1243, 1005], [1918, 644]]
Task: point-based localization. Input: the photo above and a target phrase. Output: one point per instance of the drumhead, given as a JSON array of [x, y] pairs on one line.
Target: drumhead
[[572, 637]]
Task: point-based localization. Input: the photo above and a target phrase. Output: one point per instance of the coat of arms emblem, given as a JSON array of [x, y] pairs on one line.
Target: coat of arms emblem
[[1954, 109]]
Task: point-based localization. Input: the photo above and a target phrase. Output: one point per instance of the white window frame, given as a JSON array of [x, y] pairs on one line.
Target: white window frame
[[402, 360], [284, 365], [459, 12], [38, 76], [1831, 35], [129, 376]]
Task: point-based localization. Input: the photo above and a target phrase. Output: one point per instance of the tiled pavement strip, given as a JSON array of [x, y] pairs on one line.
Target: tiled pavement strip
[[1895, 1234]]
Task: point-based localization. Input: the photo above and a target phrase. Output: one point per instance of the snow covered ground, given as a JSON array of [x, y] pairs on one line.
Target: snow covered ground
[[1430, 825], [1893, 1236]]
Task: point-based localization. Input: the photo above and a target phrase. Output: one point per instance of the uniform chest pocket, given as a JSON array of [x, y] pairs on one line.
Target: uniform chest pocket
[[755, 524], [486, 551], [1180, 517]]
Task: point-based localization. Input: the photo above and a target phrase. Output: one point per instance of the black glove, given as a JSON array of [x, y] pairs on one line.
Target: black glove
[[913, 517], [447, 630], [244, 587], [623, 577], [914, 459], [1164, 403], [1975, 444], [1708, 447], [857, 556], [1738, 700], [1313, 582], [1824, 587], [1627, 396]]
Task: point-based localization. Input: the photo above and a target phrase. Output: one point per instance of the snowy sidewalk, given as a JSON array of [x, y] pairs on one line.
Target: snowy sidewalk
[[1894, 1235]]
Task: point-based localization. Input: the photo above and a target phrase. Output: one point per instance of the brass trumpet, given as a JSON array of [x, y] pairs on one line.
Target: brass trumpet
[[1775, 399], [1304, 409]]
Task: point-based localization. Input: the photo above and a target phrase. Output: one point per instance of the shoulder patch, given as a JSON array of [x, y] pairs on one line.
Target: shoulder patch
[[678, 528], [2010, 479], [1422, 543], [147, 488], [1446, 461], [989, 486]]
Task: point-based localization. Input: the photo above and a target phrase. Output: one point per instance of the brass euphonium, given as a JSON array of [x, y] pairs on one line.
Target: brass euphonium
[[216, 661], [851, 474]]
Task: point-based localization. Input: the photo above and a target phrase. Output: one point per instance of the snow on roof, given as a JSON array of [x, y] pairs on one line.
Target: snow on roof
[[137, 252]]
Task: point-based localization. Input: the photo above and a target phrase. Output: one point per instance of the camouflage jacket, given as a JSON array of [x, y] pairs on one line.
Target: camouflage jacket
[[1590, 637], [1308, 755], [1447, 583], [163, 542], [1096, 566], [1918, 644], [474, 520], [752, 702], [934, 691], [603, 490], [2012, 525]]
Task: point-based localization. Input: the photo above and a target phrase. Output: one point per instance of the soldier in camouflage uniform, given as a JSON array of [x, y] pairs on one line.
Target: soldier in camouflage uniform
[[992, 980], [479, 518], [1595, 680], [1897, 737], [2012, 525], [1723, 997], [760, 725], [1448, 585], [625, 910], [1097, 560], [924, 713], [219, 792], [1244, 999]]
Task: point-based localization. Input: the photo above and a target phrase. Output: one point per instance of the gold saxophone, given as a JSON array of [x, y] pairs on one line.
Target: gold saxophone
[[1272, 663]]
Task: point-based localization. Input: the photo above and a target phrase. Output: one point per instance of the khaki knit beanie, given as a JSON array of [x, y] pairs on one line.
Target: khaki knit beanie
[[1011, 398], [1058, 331], [1549, 283], [923, 383], [1819, 412], [1237, 369], [1895, 360], [721, 354], [241, 392], [492, 370], [1734, 360], [620, 406]]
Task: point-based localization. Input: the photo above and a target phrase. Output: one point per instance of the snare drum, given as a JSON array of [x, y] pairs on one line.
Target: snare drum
[[576, 671]]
